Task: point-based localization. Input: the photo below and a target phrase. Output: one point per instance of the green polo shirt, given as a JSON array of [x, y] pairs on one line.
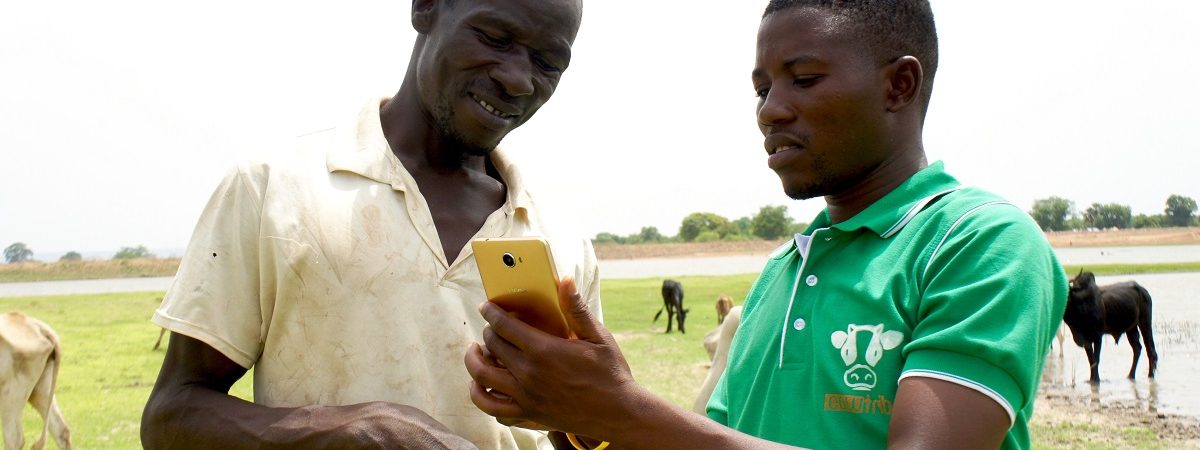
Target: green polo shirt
[[932, 280]]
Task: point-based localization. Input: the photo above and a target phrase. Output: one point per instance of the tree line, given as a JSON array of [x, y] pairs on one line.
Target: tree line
[[1059, 214], [18, 252], [771, 222]]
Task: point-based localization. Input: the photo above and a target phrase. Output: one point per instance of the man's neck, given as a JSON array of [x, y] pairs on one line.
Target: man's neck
[[418, 143], [879, 182]]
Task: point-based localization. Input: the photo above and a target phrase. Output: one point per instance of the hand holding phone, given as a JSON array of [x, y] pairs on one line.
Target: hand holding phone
[[519, 276]]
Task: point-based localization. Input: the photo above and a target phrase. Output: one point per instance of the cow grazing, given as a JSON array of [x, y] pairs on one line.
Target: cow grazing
[[29, 361], [724, 304], [672, 294], [1093, 311]]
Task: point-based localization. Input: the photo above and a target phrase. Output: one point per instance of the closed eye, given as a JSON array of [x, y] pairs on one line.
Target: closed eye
[[493, 41], [806, 82], [545, 65]]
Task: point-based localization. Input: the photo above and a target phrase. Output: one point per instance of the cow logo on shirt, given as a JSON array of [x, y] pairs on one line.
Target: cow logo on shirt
[[860, 374]]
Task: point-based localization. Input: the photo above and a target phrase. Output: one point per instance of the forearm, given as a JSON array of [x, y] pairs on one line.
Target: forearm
[[652, 423], [200, 418]]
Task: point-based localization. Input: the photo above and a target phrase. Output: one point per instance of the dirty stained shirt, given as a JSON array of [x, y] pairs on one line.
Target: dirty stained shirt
[[323, 271]]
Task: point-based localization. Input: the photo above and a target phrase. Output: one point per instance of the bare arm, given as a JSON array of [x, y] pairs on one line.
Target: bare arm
[[936, 414], [583, 386], [190, 407]]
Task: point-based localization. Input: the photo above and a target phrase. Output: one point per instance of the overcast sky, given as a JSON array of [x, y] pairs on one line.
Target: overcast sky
[[118, 118]]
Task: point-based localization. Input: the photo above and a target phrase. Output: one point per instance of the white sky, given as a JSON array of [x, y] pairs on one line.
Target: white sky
[[118, 118]]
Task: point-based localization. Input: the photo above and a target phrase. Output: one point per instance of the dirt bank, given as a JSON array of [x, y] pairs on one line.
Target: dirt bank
[[1108, 425], [1113, 238]]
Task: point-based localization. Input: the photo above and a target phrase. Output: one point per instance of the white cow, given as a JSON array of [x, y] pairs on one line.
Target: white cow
[[29, 360]]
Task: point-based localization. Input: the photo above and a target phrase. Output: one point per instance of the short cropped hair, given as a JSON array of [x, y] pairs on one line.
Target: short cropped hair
[[890, 28]]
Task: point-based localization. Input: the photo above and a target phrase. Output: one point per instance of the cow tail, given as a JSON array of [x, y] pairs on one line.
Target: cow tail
[[1145, 322], [659, 313]]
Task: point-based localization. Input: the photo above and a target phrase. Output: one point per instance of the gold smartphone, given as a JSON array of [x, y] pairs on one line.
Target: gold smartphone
[[518, 275]]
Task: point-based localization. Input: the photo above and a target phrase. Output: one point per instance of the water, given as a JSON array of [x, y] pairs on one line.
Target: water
[[72, 287], [1176, 325]]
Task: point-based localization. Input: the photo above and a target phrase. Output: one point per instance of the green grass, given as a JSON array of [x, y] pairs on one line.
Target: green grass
[[1133, 269], [109, 367]]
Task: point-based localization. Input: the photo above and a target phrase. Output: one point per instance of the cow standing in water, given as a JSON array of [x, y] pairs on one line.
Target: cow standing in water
[[672, 294], [29, 361], [1093, 311]]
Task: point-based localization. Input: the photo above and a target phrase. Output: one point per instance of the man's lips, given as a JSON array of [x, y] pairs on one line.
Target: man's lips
[[781, 149], [496, 107]]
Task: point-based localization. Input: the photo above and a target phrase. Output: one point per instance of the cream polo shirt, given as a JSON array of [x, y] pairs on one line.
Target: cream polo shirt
[[322, 269]]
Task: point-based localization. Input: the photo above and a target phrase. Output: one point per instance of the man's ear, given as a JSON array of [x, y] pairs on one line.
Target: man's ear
[[423, 12], [904, 79]]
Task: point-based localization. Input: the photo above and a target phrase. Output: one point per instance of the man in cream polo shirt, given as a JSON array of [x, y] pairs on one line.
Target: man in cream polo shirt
[[341, 271]]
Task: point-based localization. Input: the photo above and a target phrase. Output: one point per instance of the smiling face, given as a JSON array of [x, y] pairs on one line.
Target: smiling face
[[822, 102], [486, 66]]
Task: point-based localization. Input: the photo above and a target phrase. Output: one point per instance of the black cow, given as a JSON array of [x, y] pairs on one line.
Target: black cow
[[672, 294], [1093, 311]]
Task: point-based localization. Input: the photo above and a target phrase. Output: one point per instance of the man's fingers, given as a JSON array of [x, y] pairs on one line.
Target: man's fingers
[[579, 317], [517, 333], [493, 404], [488, 372]]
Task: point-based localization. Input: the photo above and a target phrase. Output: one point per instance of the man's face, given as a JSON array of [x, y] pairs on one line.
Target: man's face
[[821, 105], [488, 65]]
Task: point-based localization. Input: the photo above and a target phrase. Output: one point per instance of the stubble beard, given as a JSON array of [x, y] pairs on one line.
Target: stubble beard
[[455, 142]]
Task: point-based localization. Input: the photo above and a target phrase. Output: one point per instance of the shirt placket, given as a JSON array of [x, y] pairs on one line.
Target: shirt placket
[[796, 332]]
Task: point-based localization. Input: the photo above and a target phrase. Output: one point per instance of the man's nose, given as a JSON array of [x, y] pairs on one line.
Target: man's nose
[[514, 74], [775, 108]]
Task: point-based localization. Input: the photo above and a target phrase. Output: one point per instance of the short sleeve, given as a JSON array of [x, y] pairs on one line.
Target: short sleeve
[[215, 295], [589, 278], [993, 294]]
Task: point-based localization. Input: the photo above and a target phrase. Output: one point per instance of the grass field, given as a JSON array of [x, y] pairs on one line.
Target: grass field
[[109, 367]]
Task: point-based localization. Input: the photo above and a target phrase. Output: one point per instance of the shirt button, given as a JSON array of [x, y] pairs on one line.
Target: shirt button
[[811, 280], [798, 324]]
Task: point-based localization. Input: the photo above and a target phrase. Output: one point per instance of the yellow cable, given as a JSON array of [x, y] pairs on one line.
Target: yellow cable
[[574, 441]]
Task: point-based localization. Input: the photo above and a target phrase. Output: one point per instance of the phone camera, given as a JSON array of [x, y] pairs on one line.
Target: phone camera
[[509, 260]]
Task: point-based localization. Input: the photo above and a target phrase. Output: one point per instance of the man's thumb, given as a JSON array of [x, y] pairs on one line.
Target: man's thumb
[[579, 317]]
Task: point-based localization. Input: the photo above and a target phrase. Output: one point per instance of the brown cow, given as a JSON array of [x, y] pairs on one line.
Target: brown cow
[[29, 360], [724, 304]]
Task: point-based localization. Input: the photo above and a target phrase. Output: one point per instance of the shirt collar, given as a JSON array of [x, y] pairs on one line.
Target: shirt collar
[[888, 215], [362, 149]]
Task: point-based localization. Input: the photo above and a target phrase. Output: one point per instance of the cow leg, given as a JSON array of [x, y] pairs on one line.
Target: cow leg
[[12, 404], [1093, 355], [670, 315], [1136, 344], [42, 399], [1148, 335]]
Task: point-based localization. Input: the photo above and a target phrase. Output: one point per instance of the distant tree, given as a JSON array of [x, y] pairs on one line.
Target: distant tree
[[607, 238], [696, 223], [1145, 221], [743, 226], [708, 236], [71, 256], [1076, 223], [1179, 210], [133, 253], [1106, 216], [651, 234], [17, 252], [1051, 213], [771, 222]]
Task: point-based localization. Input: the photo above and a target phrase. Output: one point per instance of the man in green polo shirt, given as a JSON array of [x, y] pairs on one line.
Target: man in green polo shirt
[[913, 313]]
